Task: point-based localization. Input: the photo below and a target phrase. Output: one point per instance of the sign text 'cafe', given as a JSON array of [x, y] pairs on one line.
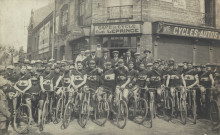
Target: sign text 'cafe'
[[111, 29]]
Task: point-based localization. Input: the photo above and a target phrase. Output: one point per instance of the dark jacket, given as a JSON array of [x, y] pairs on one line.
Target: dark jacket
[[4, 110]]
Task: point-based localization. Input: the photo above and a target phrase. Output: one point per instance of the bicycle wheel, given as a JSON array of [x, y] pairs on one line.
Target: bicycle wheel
[[102, 112], [84, 114], [132, 108], [141, 111], [183, 111], [22, 119], [59, 111], [52, 110], [122, 114], [214, 112], [168, 108], [67, 114], [194, 109], [44, 115]]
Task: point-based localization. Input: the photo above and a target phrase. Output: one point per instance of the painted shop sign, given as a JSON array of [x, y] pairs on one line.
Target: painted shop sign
[[113, 29], [171, 29]]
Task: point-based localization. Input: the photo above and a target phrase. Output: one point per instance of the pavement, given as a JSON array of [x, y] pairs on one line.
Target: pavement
[[160, 127]]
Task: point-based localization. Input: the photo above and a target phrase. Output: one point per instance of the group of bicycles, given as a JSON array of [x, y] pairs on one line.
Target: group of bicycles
[[142, 106]]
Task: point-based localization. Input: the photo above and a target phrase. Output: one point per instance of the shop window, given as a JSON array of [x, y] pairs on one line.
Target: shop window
[[120, 9], [64, 18], [120, 42]]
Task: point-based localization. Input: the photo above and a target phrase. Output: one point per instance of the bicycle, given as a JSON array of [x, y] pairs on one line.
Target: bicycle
[[191, 103], [84, 111], [60, 107], [47, 112], [119, 108], [21, 118], [214, 106], [102, 109], [179, 103], [70, 108], [168, 107], [137, 107]]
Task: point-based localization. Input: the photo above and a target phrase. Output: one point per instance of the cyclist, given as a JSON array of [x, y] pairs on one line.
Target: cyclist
[[155, 77], [122, 80], [46, 83], [23, 85], [206, 84], [174, 79], [78, 78], [93, 78]]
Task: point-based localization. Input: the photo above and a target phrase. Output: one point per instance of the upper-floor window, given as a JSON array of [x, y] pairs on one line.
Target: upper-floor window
[[64, 18], [210, 13], [81, 7], [120, 9]]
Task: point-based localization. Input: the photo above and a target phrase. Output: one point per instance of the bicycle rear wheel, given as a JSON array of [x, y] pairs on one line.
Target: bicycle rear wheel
[[67, 114], [84, 114], [101, 112], [214, 112], [141, 111], [59, 111], [122, 114], [183, 111], [22, 119]]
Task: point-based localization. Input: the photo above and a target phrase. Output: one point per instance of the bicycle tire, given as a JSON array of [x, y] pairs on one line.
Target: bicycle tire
[[131, 108], [84, 114], [142, 107], [183, 111], [44, 114], [194, 109], [123, 113], [214, 111], [67, 114], [22, 116], [168, 108], [59, 111], [102, 111]]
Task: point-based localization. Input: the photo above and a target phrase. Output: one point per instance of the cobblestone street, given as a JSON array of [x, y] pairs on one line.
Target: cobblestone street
[[160, 127]]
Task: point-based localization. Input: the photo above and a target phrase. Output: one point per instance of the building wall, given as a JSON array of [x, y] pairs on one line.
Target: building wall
[[217, 14]]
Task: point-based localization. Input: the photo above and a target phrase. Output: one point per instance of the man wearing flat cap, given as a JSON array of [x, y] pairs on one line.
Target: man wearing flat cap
[[105, 58], [115, 59], [137, 61], [92, 56], [128, 58], [147, 58]]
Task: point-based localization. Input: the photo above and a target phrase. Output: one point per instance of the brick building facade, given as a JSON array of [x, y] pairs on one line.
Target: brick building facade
[[186, 30]]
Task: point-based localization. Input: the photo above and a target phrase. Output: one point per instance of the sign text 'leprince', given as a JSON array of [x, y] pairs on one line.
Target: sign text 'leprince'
[[117, 29]]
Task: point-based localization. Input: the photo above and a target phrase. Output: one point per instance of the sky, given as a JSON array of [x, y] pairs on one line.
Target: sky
[[14, 19]]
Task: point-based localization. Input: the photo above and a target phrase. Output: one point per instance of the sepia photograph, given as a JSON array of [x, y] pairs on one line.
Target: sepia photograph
[[109, 67]]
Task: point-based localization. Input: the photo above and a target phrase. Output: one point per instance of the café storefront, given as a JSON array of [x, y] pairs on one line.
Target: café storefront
[[199, 45], [119, 36]]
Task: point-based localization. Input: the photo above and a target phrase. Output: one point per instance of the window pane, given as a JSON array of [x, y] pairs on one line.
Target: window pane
[[105, 42], [126, 41], [133, 41]]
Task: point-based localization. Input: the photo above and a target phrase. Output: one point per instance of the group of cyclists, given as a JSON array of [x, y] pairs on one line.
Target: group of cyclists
[[178, 89]]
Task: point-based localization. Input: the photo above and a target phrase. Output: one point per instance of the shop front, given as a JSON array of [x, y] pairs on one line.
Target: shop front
[[119, 36], [199, 45]]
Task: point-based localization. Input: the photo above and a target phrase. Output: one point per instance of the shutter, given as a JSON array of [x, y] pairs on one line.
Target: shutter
[[181, 49], [202, 52], [216, 54]]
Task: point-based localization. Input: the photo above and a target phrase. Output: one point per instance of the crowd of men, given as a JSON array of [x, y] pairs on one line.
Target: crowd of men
[[115, 74]]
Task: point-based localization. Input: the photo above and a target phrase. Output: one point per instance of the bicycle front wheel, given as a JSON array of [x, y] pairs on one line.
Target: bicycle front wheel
[[59, 111], [22, 119], [141, 111], [44, 115], [168, 108], [101, 112], [84, 114], [194, 109], [122, 114], [67, 114], [183, 112], [214, 112]]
